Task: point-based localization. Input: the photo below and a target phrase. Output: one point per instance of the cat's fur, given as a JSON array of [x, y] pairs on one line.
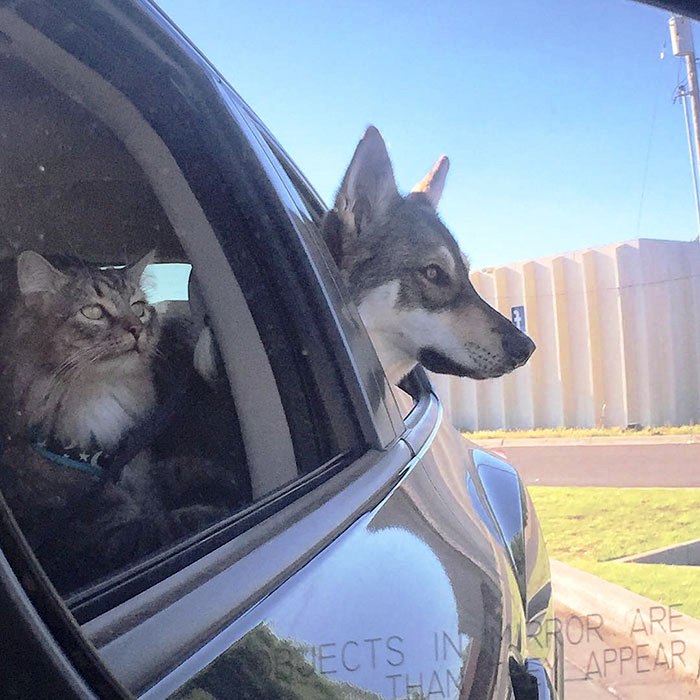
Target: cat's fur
[[77, 366], [82, 380]]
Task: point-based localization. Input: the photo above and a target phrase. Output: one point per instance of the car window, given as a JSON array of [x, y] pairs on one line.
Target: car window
[[311, 209], [157, 377], [167, 282]]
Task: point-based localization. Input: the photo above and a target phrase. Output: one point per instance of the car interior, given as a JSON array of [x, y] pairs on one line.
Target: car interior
[[84, 174]]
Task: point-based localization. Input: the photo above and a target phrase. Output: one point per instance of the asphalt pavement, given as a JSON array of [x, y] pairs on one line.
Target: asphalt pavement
[[645, 463]]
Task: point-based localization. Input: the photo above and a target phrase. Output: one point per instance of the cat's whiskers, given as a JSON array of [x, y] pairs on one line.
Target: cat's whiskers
[[73, 362], [68, 364], [67, 373], [157, 353]]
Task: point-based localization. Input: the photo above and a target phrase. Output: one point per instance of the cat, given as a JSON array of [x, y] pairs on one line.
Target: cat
[[79, 345]]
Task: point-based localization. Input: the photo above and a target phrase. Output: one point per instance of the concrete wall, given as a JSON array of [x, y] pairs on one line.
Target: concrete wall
[[618, 340]]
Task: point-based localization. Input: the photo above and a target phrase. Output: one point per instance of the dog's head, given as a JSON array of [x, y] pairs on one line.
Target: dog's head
[[408, 277]]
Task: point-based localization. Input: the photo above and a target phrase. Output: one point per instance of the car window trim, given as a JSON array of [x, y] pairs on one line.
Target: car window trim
[[378, 418], [421, 425], [245, 569], [25, 591], [231, 579], [107, 594]]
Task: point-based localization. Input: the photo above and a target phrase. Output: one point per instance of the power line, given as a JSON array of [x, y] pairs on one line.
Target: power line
[[651, 134]]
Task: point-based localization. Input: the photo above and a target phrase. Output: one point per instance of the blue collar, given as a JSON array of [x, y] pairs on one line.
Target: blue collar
[[89, 462]]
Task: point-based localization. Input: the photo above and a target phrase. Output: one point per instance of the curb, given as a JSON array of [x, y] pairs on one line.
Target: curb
[[595, 441], [662, 632], [681, 554]]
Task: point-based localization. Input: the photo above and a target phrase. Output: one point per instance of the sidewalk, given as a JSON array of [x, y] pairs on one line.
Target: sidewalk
[[623, 641]]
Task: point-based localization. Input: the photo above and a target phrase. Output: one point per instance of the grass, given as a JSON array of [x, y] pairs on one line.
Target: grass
[[588, 526], [690, 430]]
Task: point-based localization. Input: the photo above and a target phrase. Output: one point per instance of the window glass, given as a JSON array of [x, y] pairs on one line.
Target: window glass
[[167, 282], [139, 405]]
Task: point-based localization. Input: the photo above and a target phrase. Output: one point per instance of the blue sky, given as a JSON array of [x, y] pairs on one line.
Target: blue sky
[[557, 116]]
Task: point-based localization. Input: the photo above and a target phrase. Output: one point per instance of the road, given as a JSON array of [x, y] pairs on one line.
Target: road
[[673, 464], [619, 465]]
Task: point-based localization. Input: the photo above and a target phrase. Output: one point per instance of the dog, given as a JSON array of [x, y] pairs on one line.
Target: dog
[[408, 278]]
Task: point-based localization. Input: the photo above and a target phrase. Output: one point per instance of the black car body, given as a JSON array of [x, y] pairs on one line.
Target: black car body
[[378, 554]]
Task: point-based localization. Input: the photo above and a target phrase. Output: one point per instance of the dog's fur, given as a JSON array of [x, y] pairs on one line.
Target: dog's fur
[[408, 278]]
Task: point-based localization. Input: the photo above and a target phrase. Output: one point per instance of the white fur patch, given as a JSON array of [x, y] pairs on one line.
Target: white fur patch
[[205, 356], [102, 410], [399, 335], [395, 350], [446, 260], [107, 417]]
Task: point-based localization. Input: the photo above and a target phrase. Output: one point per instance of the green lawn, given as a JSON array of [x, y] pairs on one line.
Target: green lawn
[[586, 527]]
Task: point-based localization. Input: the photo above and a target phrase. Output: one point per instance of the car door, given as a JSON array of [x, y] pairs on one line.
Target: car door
[[354, 563]]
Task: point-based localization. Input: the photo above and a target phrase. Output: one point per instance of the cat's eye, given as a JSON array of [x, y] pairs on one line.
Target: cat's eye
[[139, 308], [93, 311]]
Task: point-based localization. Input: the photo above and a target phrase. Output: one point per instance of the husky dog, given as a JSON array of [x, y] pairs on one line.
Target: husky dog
[[408, 278]]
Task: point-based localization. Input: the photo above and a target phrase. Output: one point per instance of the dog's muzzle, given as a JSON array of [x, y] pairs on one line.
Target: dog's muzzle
[[439, 363], [517, 349]]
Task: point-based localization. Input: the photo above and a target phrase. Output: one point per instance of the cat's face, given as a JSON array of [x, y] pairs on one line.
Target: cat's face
[[89, 318]]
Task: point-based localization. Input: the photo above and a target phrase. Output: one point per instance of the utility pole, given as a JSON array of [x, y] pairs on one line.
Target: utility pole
[[682, 45]]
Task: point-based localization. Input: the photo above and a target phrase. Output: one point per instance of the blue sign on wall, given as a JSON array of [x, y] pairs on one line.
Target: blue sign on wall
[[517, 316]]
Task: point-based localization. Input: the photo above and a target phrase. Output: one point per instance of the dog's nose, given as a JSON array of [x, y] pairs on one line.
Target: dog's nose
[[518, 347]]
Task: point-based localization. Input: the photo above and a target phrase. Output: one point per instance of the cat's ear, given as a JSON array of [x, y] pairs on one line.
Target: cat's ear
[[135, 272], [36, 275]]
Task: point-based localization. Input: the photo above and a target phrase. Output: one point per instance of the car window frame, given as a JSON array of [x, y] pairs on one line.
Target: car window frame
[[306, 211], [386, 456], [373, 432]]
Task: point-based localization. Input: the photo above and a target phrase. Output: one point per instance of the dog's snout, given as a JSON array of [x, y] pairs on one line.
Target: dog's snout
[[518, 347]]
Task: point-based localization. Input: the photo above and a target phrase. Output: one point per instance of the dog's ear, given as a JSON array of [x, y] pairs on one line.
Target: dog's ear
[[368, 187], [434, 182]]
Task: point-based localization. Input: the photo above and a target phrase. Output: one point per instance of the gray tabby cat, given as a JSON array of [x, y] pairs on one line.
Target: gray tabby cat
[[77, 352], [76, 376]]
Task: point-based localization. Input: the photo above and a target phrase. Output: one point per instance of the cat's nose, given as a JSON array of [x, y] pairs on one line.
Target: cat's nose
[[134, 328]]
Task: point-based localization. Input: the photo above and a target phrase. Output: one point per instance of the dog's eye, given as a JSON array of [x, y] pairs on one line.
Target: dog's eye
[[92, 311], [435, 274], [139, 308]]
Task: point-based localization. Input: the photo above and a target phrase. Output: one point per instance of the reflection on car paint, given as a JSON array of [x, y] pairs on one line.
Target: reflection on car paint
[[375, 615]]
